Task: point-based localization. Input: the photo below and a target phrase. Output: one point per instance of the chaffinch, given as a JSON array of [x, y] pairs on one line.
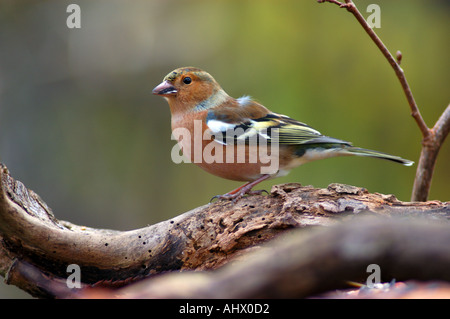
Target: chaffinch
[[231, 138]]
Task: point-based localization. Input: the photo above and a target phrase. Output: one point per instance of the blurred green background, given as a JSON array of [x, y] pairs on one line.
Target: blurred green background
[[79, 125]]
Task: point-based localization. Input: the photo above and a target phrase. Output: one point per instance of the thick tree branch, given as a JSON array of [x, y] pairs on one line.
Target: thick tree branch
[[36, 248], [431, 143], [301, 264]]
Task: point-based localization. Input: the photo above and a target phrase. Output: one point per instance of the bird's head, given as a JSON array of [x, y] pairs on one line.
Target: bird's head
[[187, 87]]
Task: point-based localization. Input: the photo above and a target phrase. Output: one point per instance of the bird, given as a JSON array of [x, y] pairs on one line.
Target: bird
[[240, 139]]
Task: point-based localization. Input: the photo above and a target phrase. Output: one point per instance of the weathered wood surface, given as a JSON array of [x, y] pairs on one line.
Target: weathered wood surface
[[34, 241]]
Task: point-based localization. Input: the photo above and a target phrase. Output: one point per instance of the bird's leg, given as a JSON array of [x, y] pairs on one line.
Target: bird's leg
[[243, 190]]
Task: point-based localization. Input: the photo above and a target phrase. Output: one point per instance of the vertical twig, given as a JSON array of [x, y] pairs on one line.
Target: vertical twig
[[432, 138], [428, 157]]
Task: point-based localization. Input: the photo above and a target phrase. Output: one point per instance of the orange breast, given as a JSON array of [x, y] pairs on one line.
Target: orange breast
[[234, 162]]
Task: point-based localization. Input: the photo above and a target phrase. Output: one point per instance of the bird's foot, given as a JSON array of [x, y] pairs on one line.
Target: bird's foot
[[234, 197], [245, 189]]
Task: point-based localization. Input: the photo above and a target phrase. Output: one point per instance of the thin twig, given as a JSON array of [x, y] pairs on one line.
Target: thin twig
[[432, 138], [350, 6], [340, 4], [392, 61]]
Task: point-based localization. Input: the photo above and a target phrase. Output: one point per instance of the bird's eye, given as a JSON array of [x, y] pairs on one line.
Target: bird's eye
[[187, 80]]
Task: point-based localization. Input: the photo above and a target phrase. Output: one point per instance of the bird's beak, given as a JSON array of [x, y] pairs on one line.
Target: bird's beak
[[165, 88]]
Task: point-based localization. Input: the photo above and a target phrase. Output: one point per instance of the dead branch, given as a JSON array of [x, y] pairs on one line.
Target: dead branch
[[301, 264], [432, 138], [36, 247]]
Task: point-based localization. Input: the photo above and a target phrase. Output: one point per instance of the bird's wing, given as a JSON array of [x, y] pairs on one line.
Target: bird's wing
[[252, 120], [293, 132]]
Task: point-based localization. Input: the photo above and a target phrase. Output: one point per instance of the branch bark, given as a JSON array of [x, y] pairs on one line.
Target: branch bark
[[36, 247], [432, 138], [428, 157], [302, 264]]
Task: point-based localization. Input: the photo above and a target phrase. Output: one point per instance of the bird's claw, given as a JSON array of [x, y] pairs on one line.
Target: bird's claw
[[234, 197]]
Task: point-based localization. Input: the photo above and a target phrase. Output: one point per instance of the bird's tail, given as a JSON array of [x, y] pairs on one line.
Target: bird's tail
[[370, 153]]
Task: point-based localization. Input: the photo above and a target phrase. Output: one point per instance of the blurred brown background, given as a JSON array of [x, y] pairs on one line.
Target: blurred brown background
[[79, 125]]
